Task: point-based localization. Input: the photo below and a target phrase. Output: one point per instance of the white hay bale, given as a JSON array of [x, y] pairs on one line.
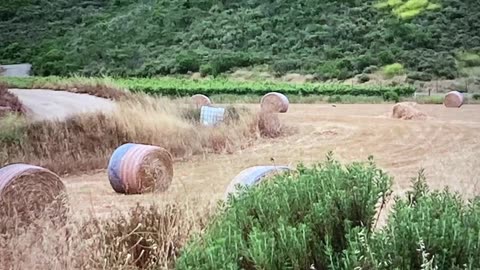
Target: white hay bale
[[453, 99], [200, 100], [139, 168], [29, 192], [253, 176], [274, 102], [210, 116]]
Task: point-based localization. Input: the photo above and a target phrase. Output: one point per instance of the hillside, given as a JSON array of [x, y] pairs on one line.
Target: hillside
[[332, 38]]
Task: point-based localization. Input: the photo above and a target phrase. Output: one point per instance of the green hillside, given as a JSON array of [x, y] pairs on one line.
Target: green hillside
[[330, 38]]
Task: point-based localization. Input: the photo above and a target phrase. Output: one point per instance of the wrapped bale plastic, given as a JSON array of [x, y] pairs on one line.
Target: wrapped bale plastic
[[210, 116], [453, 99], [253, 176], [200, 100], [30, 192], [138, 168], [274, 102]]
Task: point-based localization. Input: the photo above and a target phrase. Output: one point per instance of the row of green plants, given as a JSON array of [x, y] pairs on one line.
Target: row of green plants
[[174, 86], [326, 217]]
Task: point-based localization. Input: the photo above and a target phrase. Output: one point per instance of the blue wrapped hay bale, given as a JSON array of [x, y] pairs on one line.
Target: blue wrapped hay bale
[[139, 168], [252, 176]]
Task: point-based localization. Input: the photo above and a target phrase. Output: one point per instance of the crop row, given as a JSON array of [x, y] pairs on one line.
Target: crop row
[[184, 87]]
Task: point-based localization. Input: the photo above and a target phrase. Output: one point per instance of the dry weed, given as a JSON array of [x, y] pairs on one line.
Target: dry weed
[[9, 103], [85, 142], [145, 238]]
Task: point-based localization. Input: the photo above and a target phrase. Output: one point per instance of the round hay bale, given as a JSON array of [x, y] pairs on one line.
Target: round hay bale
[[453, 99], [139, 168], [269, 124], [30, 192], [200, 100], [274, 102], [407, 111], [253, 176]]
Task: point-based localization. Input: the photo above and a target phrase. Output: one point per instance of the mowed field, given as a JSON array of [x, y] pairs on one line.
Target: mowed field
[[446, 145]]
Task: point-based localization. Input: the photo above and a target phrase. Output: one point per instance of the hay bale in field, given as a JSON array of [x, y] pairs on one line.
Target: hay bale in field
[[252, 176], [138, 168], [407, 111], [210, 116], [30, 192], [274, 102], [269, 124], [453, 99], [200, 100]]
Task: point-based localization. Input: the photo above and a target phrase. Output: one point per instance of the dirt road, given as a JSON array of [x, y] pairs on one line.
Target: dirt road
[[49, 104], [447, 145]]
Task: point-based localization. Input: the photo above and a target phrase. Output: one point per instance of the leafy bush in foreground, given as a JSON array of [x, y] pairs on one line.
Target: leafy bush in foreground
[[292, 222]]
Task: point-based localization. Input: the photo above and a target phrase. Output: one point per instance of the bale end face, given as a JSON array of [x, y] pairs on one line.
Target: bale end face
[[28, 193], [201, 100], [274, 102], [453, 99], [138, 168]]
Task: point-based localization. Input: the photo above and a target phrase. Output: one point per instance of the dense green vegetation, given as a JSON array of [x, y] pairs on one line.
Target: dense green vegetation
[[324, 216], [170, 86], [333, 39]]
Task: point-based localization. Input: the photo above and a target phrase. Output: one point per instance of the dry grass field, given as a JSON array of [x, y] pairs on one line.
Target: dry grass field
[[446, 145]]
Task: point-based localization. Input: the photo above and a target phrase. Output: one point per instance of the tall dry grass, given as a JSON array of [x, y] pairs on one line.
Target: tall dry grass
[[85, 142], [145, 238]]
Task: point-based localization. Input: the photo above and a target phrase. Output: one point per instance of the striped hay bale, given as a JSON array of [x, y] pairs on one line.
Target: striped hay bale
[[210, 116], [274, 102], [200, 100], [453, 99], [138, 168], [29, 192], [252, 176]]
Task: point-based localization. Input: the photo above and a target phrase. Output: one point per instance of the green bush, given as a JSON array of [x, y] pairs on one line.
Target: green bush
[[393, 70], [419, 76], [391, 96], [363, 78], [469, 59], [370, 69], [426, 230], [206, 69], [476, 96], [188, 61], [294, 221], [281, 67]]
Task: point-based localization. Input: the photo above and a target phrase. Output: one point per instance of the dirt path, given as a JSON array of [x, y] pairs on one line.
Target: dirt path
[[447, 146], [50, 104]]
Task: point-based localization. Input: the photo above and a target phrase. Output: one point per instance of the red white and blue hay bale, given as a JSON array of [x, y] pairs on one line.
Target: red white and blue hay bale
[[139, 168], [200, 100], [274, 102], [453, 99], [253, 176], [211, 116], [30, 192]]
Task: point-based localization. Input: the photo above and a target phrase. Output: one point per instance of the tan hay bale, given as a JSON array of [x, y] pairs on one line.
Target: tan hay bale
[[29, 192], [274, 102], [200, 100], [138, 168], [453, 99], [407, 111], [269, 124]]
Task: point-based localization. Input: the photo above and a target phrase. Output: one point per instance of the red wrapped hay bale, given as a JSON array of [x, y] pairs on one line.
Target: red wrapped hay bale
[[453, 99], [274, 102], [253, 176], [407, 111], [139, 168], [201, 100], [30, 192]]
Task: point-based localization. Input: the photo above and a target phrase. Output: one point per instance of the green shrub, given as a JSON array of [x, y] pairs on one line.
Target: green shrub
[[419, 76], [188, 61], [294, 221], [370, 69], [476, 96], [393, 70], [391, 96], [11, 129], [426, 230], [468, 59], [206, 69], [281, 67], [225, 62], [363, 78]]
